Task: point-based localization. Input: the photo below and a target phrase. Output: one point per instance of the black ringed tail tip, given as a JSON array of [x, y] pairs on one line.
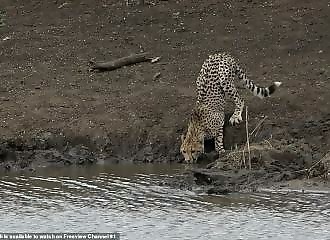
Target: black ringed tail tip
[[273, 87]]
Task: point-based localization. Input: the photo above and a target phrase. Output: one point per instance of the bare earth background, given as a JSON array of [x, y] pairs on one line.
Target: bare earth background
[[49, 99]]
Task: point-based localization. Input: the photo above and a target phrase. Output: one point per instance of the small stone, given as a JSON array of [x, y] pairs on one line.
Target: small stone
[[296, 18], [5, 99], [322, 71]]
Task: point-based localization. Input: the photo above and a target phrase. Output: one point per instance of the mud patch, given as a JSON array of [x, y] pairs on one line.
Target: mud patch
[[271, 162], [23, 154], [58, 150]]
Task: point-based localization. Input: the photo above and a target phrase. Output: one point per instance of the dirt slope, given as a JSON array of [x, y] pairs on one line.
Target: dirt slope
[[48, 94]]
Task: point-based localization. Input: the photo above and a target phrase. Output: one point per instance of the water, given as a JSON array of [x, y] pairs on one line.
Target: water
[[129, 200]]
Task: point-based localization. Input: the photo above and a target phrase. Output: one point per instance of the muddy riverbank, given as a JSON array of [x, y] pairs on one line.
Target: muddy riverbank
[[54, 111], [269, 164]]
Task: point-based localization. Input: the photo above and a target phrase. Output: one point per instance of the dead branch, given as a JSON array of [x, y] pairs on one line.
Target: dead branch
[[118, 63]]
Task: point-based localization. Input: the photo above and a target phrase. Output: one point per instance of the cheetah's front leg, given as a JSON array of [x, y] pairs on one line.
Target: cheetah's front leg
[[219, 142], [236, 118], [218, 123]]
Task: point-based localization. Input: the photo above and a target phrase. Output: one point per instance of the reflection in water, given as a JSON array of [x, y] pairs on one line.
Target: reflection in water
[[128, 199]]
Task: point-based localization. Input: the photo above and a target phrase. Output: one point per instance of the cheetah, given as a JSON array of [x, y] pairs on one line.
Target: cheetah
[[215, 82]]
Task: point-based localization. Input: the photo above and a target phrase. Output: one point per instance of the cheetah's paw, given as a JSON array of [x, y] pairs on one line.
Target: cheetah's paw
[[235, 119]]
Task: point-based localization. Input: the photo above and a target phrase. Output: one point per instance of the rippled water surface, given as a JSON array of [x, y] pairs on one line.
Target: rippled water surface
[[129, 200]]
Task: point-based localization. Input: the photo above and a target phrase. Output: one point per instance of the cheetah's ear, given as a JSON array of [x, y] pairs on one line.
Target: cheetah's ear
[[182, 138]]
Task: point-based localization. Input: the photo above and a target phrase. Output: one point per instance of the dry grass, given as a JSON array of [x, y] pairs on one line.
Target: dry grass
[[238, 157], [247, 148]]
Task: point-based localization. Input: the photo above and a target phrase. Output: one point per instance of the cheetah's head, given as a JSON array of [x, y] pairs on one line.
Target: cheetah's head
[[191, 148]]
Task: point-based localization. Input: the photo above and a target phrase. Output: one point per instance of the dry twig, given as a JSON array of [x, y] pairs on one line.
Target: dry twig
[[258, 125], [155, 59], [247, 135], [63, 5], [157, 75], [243, 157], [323, 159]]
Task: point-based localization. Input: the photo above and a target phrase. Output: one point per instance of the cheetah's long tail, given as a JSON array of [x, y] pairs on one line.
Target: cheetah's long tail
[[260, 92]]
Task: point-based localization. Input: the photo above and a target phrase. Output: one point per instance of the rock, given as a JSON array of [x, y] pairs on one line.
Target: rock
[[209, 176], [218, 190]]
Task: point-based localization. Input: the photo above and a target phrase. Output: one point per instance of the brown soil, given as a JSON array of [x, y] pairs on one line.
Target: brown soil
[[49, 100]]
